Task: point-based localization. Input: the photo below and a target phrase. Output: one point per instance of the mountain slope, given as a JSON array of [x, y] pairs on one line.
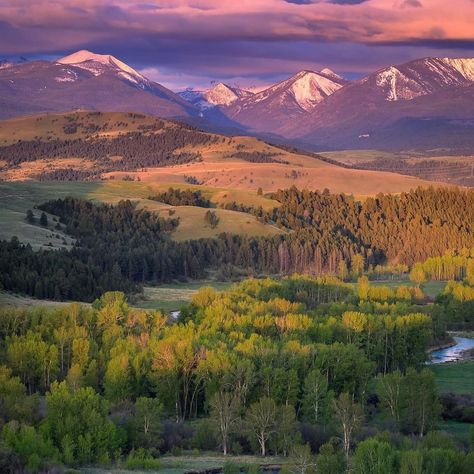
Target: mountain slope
[[219, 95], [88, 81], [435, 96], [285, 101]]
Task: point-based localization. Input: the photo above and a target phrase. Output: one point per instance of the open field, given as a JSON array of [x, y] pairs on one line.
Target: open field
[[165, 297], [10, 299], [17, 197], [430, 288], [171, 297], [435, 165], [312, 175], [455, 377], [355, 157], [183, 463], [457, 429]]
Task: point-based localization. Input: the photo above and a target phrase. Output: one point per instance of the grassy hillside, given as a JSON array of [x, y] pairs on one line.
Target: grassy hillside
[[58, 126], [236, 163], [17, 197]]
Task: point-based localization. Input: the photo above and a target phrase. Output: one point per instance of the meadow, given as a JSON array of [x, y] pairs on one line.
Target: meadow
[[455, 377], [17, 197]]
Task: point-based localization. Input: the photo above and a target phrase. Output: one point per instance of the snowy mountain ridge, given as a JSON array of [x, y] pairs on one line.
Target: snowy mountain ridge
[[220, 94], [98, 64], [424, 76]]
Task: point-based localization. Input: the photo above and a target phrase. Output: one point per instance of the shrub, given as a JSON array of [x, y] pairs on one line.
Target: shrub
[[140, 459]]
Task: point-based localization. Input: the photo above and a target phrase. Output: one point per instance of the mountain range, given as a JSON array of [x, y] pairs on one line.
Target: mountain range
[[84, 80], [423, 104]]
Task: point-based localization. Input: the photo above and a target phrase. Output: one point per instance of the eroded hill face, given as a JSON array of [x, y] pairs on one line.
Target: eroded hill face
[[88, 146]]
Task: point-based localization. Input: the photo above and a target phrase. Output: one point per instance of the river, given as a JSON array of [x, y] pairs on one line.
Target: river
[[453, 353]]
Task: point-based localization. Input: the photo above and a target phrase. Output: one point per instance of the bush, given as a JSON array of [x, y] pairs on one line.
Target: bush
[[230, 467], [140, 459]]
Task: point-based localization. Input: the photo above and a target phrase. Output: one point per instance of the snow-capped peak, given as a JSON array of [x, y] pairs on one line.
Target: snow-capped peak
[[423, 77], [309, 88], [97, 64], [329, 72], [220, 94]]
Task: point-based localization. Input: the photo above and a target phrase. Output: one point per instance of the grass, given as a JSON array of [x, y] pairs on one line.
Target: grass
[[10, 299], [51, 126], [455, 377], [218, 168], [457, 429], [430, 288], [17, 197], [357, 156], [171, 297], [181, 464], [165, 298]]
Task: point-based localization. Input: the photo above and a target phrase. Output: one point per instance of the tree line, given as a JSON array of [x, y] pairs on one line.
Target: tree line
[[326, 233]]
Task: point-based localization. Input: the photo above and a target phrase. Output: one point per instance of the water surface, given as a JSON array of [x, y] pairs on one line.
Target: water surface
[[453, 353]]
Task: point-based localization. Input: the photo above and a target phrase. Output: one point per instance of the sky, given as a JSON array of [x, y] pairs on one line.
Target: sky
[[250, 43]]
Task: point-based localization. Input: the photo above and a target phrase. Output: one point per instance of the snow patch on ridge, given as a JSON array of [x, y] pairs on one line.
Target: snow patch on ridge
[[97, 64], [219, 95], [310, 88], [465, 66], [397, 86]]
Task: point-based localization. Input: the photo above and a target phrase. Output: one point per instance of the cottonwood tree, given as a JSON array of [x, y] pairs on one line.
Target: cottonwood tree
[[225, 415], [421, 405], [316, 396], [389, 390], [147, 420], [350, 416], [417, 274], [260, 422], [287, 433], [302, 460]]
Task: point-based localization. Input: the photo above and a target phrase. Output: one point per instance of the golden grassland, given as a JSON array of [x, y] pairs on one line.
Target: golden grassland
[[17, 197], [218, 168], [52, 126]]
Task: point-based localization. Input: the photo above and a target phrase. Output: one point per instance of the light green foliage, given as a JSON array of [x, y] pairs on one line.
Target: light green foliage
[[33, 360], [287, 434], [421, 408], [302, 460], [349, 416], [147, 421], [225, 416], [77, 423], [375, 457], [31, 445], [272, 353], [261, 422], [330, 460], [139, 459], [410, 400], [317, 398], [14, 402], [411, 462]]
